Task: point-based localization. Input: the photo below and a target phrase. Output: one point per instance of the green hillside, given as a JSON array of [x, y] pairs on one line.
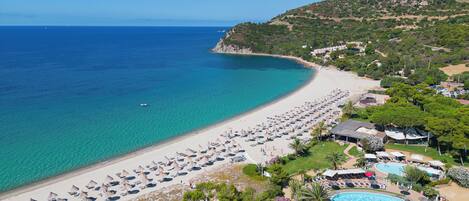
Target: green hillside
[[411, 38]]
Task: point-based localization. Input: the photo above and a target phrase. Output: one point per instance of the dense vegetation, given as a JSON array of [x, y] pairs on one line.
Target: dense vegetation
[[413, 177], [408, 38], [420, 107]]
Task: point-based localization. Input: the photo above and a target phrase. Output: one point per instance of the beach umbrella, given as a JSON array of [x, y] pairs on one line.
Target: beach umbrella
[[144, 179], [368, 174], [84, 195], [52, 196], [74, 190], [109, 179], [91, 184], [140, 169], [154, 165], [126, 187], [124, 174], [108, 194], [162, 172], [160, 176]]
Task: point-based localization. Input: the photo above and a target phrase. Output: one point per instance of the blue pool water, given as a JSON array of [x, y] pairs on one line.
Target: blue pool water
[[70, 96], [363, 196], [391, 168]]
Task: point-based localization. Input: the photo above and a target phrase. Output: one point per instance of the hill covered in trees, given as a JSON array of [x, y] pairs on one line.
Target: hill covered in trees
[[409, 38]]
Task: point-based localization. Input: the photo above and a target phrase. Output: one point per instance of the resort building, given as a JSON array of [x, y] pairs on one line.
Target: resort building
[[354, 131], [321, 51], [334, 174], [412, 135]]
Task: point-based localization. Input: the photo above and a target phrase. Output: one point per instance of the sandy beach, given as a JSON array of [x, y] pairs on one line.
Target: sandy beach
[[322, 83]]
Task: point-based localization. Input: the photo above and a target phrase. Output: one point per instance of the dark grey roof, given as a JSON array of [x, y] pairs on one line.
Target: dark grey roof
[[348, 129]]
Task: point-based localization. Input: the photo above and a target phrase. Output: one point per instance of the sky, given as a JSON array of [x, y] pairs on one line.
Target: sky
[[142, 12]]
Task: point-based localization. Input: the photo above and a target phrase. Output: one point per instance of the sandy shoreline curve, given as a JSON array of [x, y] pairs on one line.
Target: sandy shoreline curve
[[321, 82]]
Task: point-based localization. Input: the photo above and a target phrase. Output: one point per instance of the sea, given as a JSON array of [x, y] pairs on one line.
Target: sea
[[72, 96]]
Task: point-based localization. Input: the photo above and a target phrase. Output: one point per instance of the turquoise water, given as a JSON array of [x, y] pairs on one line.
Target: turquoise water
[[364, 196], [69, 96], [391, 168]]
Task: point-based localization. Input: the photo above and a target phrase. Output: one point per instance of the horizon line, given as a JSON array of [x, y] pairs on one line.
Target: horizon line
[[1, 25]]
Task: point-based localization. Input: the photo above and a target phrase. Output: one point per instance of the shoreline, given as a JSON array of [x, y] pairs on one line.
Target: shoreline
[[62, 182], [113, 160]]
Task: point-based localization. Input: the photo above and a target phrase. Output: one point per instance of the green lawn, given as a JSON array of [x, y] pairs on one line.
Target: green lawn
[[431, 152], [251, 171], [316, 158], [354, 152]]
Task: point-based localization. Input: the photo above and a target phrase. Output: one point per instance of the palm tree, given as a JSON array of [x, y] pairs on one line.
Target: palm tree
[[318, 130], [335, 158], [298, 146], [302, 174], [361, 162], [348, 109], [295, 188], [315, 193], [260, 169]]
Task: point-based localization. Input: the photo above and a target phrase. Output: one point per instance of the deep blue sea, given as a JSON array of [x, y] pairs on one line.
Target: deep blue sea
[[70, 96]]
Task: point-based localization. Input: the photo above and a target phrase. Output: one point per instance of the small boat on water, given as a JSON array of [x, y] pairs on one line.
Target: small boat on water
[[144, 105]]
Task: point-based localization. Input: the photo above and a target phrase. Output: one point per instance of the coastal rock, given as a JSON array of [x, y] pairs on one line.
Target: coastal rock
[[221, 47]]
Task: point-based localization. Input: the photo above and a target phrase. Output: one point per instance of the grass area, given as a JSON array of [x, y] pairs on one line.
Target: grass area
[[250, 170], [316, 159], [355, 152], [430, 152]]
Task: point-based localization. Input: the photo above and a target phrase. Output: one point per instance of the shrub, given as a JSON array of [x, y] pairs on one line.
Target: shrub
[[429, 192], [460, 175], [440, 182], [417, 187], [388, 81], [372, 144], [278, 175], [394, 178], [416, 176]]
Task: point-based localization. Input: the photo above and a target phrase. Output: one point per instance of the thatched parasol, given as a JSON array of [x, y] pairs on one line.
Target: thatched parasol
[[91, 184], [52, 196]]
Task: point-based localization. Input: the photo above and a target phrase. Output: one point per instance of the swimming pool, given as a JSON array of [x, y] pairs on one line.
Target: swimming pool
[[363, 196], [391, 168]]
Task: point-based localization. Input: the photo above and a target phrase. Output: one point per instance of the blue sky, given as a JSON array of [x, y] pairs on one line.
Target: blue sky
[[141, 12]]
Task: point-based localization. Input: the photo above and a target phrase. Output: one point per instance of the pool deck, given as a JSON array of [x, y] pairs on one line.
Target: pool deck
[[393, 188]]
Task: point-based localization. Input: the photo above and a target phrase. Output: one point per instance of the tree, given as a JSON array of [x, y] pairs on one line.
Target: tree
[[260, 169], [369, 50], [298, 146], [361, 162], [315, 192], [295, 188], [372, 144], [460, 142], [403, 115], [318, 130], [279, 176], [415, 175], [335, 158], [441, 129], [348, 109], [466, 84], [430, 192]]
